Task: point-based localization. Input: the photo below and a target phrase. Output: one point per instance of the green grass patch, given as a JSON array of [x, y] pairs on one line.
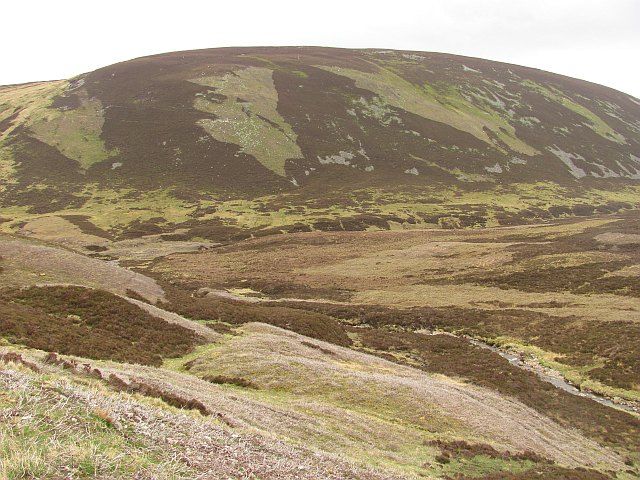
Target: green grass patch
[[46, 434], [576, 375], [594, 122], [441, 103], [248, 116]]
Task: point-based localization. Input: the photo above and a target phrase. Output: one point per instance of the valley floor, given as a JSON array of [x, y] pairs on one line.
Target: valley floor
[[326, 355]]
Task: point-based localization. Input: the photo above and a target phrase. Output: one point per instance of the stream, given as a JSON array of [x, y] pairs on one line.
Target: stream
[[555, 378]]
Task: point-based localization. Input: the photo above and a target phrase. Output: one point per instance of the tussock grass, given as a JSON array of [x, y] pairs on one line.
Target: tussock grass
[[46, 433], [74, 426], [350, 397]]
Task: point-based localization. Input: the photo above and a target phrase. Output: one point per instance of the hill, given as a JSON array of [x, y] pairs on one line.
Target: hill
[[313, 263], [228, 143]]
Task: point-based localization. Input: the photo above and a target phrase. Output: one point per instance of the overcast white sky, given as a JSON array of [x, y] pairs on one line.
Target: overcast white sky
[[597, 40]]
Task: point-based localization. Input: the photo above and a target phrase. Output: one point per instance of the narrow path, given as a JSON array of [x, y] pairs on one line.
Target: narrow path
[[171, 317]]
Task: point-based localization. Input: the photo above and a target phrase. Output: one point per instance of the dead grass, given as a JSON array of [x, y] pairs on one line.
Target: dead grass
[[27, 263], [55, 425], [311, 324], [49, 431]]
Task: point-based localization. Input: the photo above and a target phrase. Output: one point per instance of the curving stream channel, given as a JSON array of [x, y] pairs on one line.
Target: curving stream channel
[[555, 378]]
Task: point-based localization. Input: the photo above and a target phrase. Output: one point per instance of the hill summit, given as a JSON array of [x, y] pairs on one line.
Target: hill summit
[[331, 133]]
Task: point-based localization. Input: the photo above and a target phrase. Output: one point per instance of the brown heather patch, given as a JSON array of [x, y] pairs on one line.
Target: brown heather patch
[[461, 448], [89, 323], [542, 468], [41, 200], [134, 295], [229, 380], [595, 275], [41, 163], [547, 472], [211, 229], [140, 228], [96, 248], [221, 327], [19, 359], [578, 279], [310, 324], [7, 122], [84, 223], [318, 347], [47, 181], [166, 395]]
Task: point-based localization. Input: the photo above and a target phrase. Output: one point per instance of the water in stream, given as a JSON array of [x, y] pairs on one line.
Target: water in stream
[[555, 378]]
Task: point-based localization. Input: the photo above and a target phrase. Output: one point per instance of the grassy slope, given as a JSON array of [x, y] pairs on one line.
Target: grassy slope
[[348, 410], [352, 392], [565, 282], [62, 423]]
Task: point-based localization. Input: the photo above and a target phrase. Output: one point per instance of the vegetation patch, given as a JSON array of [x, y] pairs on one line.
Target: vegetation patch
[[167, 395], [47, 431], [462, 448], [427, 102], [457, 357], [75, 132], [84, 223], [230, 380], [478, 460], [596, 123], [89, 323], [310, 324], [546, 472], [245, 105]]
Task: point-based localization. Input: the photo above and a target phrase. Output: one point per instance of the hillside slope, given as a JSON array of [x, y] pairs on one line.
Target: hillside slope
[[319, 263], [226, 142]]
